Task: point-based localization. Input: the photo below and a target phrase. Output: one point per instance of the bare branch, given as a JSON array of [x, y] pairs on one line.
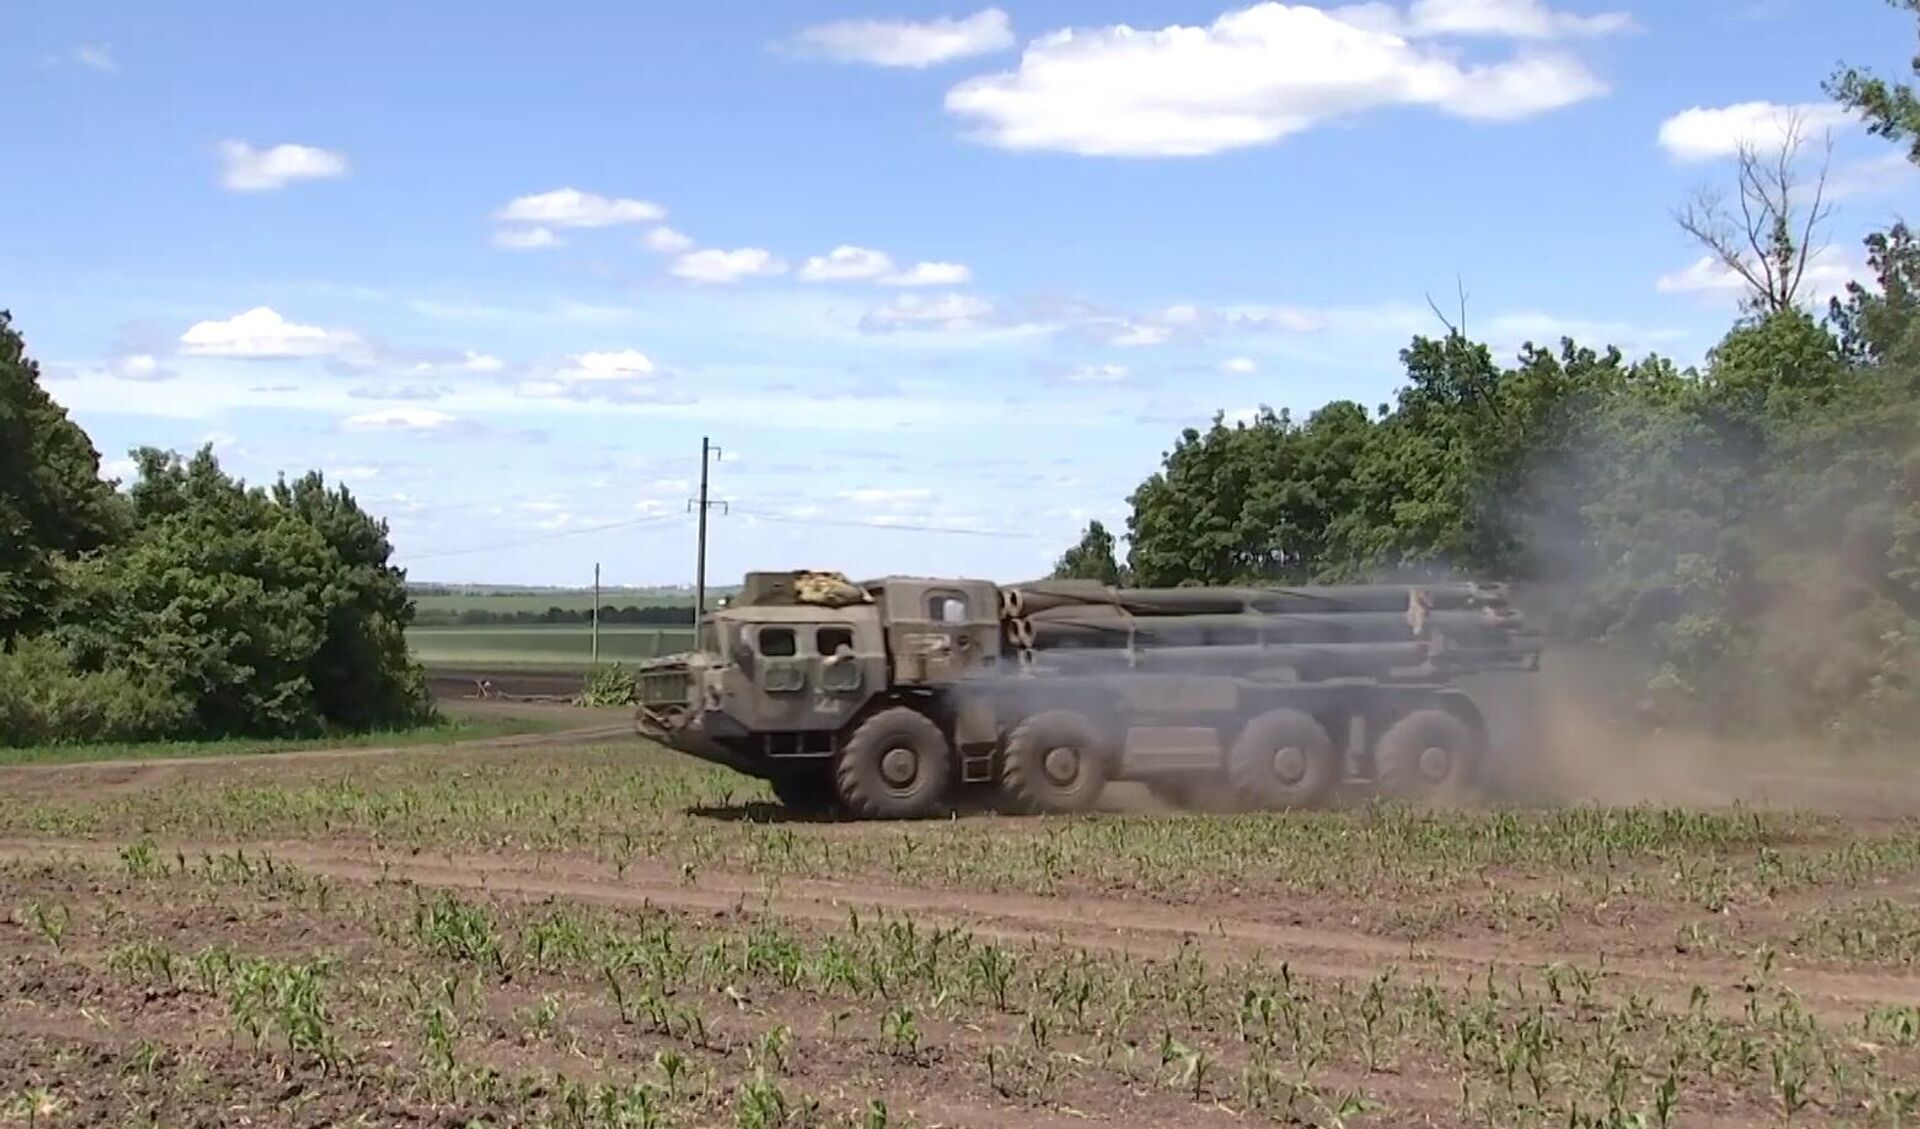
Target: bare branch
[[1773, 240]]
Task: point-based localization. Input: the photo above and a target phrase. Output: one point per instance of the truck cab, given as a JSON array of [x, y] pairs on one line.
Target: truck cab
[[784, 675]]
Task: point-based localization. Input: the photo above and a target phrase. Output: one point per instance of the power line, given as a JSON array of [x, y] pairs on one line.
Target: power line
[[551, 535]]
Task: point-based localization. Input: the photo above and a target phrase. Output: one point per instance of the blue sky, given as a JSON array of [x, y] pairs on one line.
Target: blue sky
[[951, 276]]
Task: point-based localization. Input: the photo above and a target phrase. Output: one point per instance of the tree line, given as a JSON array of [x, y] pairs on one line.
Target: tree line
[[189, 605], [1740, 538], [662, 615]]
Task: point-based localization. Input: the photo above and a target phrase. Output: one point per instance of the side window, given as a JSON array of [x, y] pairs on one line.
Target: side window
[[831, 639], [778, 642], [945, 607]]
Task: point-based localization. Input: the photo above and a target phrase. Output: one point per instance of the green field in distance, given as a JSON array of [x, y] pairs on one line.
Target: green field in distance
[[542, 645], [571, 599]]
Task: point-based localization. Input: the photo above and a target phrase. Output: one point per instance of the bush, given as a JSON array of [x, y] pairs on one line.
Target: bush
[[274, 613], [45, 700], [612, 685]]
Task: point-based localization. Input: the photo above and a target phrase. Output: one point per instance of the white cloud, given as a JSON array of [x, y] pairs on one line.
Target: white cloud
[[139, 366], [247, 169], [1096, 374], [1253, 76], [1704, 275], [905, 43], [1291, 319], [121, 468], [930, 274], [1874, 176], [1705, 134], [623, 374], [1502, 19], [1139, 335], [401, 419], [1828, 272], [667, 241], [719, 266], [261, 332], [847, 263], [626, 364], [886, 496], [946, 312], [98, 56], [525, 238], [570, 207], [1239, 366], [470, 361]]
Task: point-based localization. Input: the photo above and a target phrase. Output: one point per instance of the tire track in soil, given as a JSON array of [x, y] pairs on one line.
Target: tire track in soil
[[1080, 921]]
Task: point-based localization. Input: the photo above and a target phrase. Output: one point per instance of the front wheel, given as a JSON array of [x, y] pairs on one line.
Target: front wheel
[[896, 765], [1054, 762], [1285, 759]]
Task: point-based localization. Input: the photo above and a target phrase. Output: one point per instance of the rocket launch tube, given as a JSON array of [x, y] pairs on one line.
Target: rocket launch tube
[[1043, 596]]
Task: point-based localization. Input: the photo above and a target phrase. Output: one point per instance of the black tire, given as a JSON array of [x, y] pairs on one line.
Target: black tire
[[1055, 761], [896, 765], [1428, 754], [812, 794], [1285, 759]]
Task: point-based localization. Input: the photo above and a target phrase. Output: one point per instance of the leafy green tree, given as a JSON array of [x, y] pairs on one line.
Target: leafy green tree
[[1891, 109], [1249, 502], [363, 673], [274, 612], [52, 501], [1092, 559]]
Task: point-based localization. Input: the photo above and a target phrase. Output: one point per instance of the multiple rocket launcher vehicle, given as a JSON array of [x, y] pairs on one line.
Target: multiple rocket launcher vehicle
[[903, 696]]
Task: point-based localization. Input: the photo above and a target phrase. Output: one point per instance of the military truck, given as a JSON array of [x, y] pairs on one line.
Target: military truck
[[904, 696]]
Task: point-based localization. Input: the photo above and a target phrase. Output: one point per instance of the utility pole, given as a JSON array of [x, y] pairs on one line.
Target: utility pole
[[596, 613], [700, 565]]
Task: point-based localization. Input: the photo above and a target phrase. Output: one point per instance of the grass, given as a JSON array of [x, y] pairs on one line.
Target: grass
[[630, 985], [542, 645], [448, 731]]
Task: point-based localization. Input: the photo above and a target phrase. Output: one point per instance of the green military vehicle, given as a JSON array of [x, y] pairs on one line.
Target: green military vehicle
[[906, 696]]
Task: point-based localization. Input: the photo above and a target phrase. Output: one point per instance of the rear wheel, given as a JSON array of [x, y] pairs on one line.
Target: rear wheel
[[896, 765], [1284, 759], [1428, 754], [1054, 761]]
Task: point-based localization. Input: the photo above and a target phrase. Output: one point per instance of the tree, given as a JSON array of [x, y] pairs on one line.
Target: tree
[[1251, 502], [52, 501], [273, 612], [1771, 240], [1891, 109], [1092, 559]]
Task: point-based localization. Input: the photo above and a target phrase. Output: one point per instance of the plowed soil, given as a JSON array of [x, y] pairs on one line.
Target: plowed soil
[[579, 929]]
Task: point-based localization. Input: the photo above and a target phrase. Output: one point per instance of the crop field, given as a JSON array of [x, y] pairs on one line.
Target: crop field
[[570, 599], [565, 646], [604, 934]]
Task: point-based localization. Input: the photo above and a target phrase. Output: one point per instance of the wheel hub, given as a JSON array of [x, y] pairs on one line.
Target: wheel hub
[[899, 766], [1435, 761], [1061, 765], [1290, 764]]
